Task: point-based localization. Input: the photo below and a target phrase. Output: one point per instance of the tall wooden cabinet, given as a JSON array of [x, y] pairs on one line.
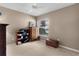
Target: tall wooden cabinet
[[3, 39], [33, 33]]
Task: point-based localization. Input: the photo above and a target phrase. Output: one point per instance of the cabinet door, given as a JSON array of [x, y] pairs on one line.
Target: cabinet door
[[2, 40], [33, 33]]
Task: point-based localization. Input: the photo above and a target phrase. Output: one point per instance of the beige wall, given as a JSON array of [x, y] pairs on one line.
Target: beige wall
[[16, 20], [64, 24]]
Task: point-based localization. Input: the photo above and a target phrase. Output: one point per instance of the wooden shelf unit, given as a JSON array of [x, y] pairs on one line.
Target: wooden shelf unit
[[32, 35]]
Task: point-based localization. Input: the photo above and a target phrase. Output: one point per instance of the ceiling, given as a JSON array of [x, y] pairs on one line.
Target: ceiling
[[35, 9]]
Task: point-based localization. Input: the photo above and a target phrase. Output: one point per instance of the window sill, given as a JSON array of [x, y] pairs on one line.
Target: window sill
[[43, 35]]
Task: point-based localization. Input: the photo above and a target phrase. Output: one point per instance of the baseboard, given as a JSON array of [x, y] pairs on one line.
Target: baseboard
[[72, 49]]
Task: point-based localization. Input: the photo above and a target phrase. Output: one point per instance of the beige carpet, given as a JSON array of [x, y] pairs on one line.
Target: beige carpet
[[37, 48]]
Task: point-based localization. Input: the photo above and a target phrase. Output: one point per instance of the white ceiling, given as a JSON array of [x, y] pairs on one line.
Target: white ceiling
[[41, 8]]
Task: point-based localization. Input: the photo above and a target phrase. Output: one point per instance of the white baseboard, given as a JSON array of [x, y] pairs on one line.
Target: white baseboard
[[72, 49]]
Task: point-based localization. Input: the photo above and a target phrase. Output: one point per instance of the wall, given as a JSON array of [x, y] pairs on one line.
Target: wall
[[64, 25], [16, 20]]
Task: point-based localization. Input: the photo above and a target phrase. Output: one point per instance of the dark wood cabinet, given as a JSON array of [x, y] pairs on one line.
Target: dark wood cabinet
[[3, 39], [53, 43]]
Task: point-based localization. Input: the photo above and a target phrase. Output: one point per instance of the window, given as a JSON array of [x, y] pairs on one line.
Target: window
[[43, 29]]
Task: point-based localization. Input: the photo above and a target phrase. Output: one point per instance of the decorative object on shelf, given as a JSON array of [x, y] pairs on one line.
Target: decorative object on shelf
[[31, 24]]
